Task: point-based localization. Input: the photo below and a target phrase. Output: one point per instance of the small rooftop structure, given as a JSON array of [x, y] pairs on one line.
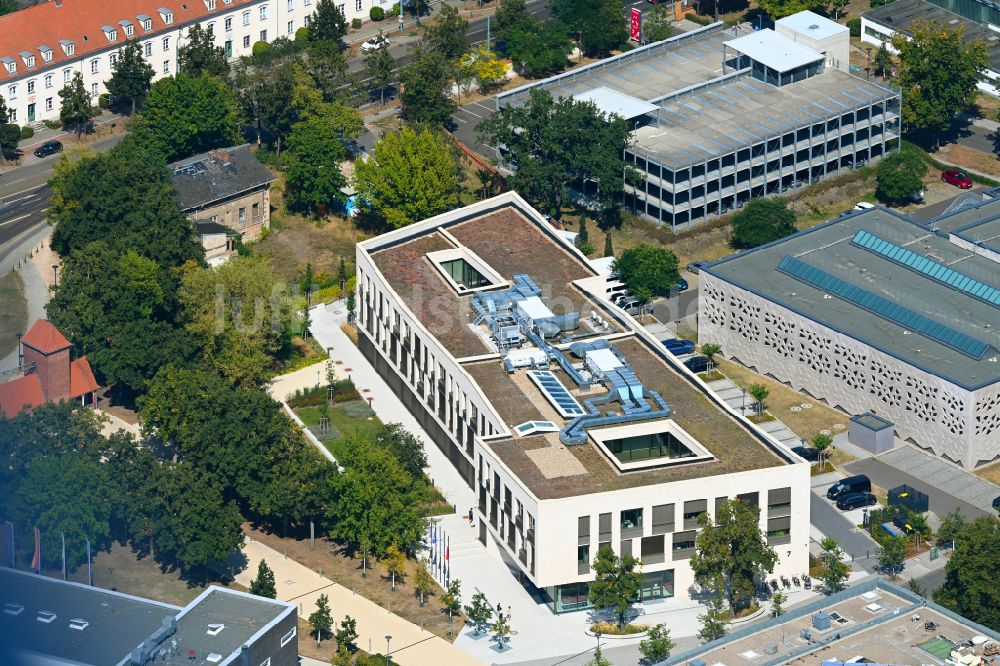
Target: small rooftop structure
[[775, 51], [812, 25], [610, 102]]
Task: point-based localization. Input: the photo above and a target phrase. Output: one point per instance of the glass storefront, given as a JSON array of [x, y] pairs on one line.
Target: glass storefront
[[657, 585], [575, 596]]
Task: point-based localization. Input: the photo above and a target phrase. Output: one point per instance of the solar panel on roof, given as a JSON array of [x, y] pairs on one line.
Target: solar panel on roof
[[925, 266], [556, 393], [883, 307]]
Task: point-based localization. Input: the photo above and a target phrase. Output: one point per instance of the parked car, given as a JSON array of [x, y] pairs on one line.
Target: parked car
[[678, 347], [855, 501], [374, 43], [848, 485], [806, 453], [696, 266], [698, 364], [48, 148], [682, 284], [996, 503], [956, 178]]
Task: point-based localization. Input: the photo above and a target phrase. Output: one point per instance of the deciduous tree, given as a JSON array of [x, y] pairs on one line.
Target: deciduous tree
[[616, 582], [409, 176], [347, 632], [647, 270], [598, 24], [835, 572], [199, 55], [406, 446], [970, 588], [380, 66], [423, 582], [538, 49], [320, 619], [328, 23], [425, 81], [657, 644], [762, 221], [452, 597], [130, 75], [502, 631], [759, 393], [892, 554], [447, 34], [777, 9], [75, 108], [900, 177], [480, 612], [951, 526], [714, 619], [395, 563], [939, 70], [314, 181]]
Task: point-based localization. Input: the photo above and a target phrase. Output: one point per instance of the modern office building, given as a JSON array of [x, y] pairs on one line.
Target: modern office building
[[874, 622], [571, 423], [722, 116], [979, 20], [43, 46], [46, 621], [874, 312]]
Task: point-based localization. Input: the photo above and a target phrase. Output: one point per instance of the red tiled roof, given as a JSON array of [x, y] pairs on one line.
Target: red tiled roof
[[20, 393], [80, 22], [45, 337], [81, 378]]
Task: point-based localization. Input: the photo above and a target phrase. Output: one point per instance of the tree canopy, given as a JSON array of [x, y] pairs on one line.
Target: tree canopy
[[969, 588], [647, 270], [409, 176], [185, 115], [616, 582], [328, 23], [900, 176], [537, 48], [74, 107], [555, 143], [130, 75], [199, 55], [314, 181], [599, 24], [425, 81], [762, 221], [447, 35], [777, 9], [939, 70]]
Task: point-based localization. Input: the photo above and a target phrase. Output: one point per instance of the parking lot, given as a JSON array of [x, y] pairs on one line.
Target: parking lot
[[829, 521]]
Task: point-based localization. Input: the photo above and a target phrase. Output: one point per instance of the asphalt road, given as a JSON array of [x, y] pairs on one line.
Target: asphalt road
[[832, 522]]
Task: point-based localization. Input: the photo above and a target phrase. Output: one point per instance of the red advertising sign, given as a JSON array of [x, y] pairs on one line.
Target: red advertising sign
[[635, 25]]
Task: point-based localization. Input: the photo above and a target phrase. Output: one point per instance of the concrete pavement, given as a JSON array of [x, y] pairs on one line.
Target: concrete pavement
[[410, 646]]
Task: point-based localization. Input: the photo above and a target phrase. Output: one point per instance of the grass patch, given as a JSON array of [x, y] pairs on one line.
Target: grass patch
[[301, 354], [342, 422], [990, 473], [13, 312]]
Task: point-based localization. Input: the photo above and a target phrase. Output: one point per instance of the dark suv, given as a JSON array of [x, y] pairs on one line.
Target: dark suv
[[855, 501], [48, 148]]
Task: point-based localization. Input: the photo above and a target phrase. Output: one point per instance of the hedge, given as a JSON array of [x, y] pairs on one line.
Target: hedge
[[343, 391], [27, 132]]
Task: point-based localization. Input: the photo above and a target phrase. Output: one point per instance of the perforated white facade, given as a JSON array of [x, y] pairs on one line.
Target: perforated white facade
[[955, 423]]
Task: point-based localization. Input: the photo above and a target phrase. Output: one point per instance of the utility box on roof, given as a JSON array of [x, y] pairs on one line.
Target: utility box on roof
[[872, 433]]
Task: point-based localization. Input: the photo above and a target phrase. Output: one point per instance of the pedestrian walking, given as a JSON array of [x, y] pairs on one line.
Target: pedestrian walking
[[508, 612], [471, 514], [499, 609]]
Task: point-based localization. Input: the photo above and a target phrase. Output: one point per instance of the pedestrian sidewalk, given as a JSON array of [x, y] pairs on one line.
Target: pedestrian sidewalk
[[410, 645], [735, 397]]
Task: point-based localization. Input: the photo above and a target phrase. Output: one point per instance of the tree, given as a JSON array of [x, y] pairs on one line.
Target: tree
[[329, 72], [970, 588], [409, 176], [347, 632], [375, 499], [381, 67], [263, 585], [598, 659], [502, 631], [479, 613], [184, 115], [892, 554], [407, 448], [482, 68], [239, 313], [900, 177], [75, 109], [452, 597], [778, 600], [554, 143], [710, 350], [10, 134], [328, 23], [916, 587], [598, 24], [647, 270], [130, 75], [447, 35], [882, 64], [731, 551], [657, 644], [837, 6], [759, 393], [314, 181], [821, 443], [762, 221], [657, 24], [609, 251], [7, 6], [425, 82], [320, 619], [616, 582], [714, 619], [951, 526], [939, 70], [265, 94], [538, 49], [511, 15], [395, 563], [835, 572], [423, 582], [777, 9], [199, 55]]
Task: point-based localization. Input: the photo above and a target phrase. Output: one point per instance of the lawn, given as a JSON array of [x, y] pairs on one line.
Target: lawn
[[13, 312], [354, 417]]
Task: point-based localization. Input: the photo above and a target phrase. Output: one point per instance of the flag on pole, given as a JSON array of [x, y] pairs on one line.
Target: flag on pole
[[36, 561], [9, 539], [90, 569], [63, 535]]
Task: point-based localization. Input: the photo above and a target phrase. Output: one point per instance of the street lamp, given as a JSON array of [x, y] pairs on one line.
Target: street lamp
[[387, 639], [55, 274]]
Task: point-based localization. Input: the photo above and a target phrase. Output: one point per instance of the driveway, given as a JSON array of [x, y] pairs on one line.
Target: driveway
[[465, 120], [830, 521]]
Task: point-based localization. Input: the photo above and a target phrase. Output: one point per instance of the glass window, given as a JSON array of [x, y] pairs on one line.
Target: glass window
[[291, 27], [166, 66], [263, 35], [263, 13], [572, 597], [48, 80], [147, 24], [228, 25], [657, 585], [246, 41], [357, 5], [583, 555], [29, 61], [67, 75], [129, 30], [95, 66], [631, 518], [166, 43], [48, 103], [93, 88], [291, 5], [47, 56], [148, 48], [31, 87], [12, 92], [246, 18]]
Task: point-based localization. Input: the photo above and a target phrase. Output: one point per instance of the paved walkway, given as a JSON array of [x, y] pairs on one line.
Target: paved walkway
[[735, 398], [410, 646], [36, 286]]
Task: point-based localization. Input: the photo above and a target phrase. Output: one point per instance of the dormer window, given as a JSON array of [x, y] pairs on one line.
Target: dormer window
[[9, 64], [128, 28], [28, 58], [68, 47], [166, 15], [210, 4], [145, 21], [111, 33], [46, 53]]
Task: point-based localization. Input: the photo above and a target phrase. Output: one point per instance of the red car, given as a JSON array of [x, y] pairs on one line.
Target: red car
[[956, 178]]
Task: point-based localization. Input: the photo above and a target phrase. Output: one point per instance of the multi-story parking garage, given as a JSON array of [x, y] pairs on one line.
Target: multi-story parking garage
[[722, 116]]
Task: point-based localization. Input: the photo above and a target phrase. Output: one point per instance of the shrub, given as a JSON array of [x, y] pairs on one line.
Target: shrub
[[260, 49], [356, 23], [395, 10], [302, 35], [343, 391], [52, 124], [700, 20], [104, 100], [855, 26], [27, 132], [376, 14], [612, 629]]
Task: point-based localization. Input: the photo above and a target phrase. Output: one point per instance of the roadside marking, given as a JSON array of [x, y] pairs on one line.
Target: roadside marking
[[471, 113], [464, 122], [14, 194], [15, 219]]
